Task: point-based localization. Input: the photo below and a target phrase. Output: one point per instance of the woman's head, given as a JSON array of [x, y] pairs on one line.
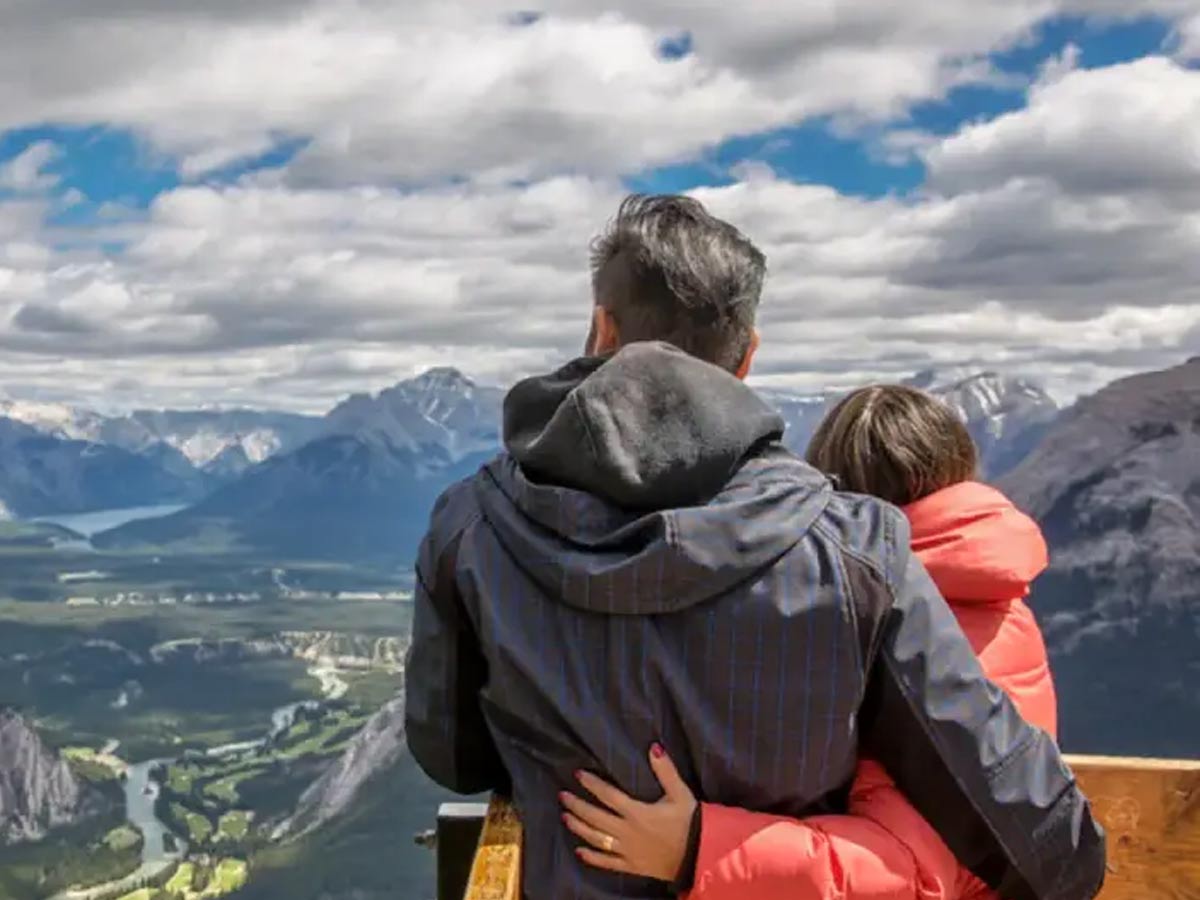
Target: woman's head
[[893, 442]]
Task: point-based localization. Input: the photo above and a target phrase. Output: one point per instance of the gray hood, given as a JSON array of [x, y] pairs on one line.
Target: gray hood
[[645, 483]]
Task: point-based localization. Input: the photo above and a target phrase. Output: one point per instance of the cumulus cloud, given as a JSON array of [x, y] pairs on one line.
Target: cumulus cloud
[[269, 294], [453, 165], [419, 90], [1115, 130], [26, 172], [1189, 39]]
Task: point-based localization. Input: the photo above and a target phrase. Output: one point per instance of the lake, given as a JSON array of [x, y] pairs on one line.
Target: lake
[[92, 523]]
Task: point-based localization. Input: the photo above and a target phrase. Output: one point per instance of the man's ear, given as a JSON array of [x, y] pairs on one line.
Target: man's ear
[[605, 336], [744, 369]]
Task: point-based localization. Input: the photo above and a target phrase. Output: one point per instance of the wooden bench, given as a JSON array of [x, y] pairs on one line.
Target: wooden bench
[[1149, 808]]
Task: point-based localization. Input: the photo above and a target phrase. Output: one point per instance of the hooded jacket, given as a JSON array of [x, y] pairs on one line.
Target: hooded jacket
[[646, 562], [983, 554]]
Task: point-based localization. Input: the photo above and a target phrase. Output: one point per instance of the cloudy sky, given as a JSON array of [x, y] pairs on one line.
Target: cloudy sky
[[281, 202]]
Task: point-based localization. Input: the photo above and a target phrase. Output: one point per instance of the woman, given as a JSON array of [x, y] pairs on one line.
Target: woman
[[908, 448]]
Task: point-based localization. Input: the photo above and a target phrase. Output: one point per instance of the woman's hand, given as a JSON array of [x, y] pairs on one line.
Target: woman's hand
[[646, 839]]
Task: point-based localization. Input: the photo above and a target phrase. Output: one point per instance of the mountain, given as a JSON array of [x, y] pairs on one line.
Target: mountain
[[441, 408], [221, 442], [38, 790], [375, 748], [1115, 484], [45, 475], [366, 853], [352, 833], [361, 491], [1006, 416]]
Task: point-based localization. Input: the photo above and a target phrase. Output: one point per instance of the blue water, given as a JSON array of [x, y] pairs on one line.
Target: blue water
[[92, 523]]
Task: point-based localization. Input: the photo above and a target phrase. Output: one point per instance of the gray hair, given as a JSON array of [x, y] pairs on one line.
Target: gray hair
[[669, 271]]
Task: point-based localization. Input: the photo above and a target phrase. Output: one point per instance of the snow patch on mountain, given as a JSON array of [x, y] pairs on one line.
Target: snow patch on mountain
[[199, 437]]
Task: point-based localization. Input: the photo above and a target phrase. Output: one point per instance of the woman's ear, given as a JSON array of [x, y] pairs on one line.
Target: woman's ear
[[744, 369]]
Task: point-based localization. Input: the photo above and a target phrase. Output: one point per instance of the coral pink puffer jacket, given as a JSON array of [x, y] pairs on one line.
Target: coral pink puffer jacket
[[983, 554]]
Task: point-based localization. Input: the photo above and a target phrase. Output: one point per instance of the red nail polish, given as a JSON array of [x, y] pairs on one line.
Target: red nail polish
[[657, 751], [579, 775]]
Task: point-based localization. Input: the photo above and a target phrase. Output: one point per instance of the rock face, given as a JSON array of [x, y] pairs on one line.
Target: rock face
[[1115, 484], [38, 791], [374, 749]]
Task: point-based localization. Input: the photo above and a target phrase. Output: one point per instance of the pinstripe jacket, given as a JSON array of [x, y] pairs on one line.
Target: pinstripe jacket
[[647, 563]]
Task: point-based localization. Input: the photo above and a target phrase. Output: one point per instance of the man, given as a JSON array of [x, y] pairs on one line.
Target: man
[[646, 563]]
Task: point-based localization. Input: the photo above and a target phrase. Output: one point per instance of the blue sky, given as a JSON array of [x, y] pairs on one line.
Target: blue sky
[[298, 200], [109, 165]]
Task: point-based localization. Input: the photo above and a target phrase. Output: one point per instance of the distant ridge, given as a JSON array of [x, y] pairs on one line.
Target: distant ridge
[[1115, 483]]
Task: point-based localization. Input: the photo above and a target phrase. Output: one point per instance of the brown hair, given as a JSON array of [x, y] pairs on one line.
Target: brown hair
[[893, 442]]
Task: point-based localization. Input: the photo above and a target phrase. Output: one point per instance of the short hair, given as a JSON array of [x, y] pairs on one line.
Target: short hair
[[894, 442], [668, 270]]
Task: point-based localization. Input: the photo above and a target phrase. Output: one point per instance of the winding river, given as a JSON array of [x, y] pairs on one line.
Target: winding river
[[141, 791]]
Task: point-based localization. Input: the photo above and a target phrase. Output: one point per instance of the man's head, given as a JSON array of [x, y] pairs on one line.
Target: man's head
[[666, 270]]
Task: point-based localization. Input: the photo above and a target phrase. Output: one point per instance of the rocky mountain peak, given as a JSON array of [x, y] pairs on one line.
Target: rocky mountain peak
[[38, 790]]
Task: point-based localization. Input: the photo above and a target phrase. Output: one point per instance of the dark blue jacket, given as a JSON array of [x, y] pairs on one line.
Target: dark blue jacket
[[648, 563]]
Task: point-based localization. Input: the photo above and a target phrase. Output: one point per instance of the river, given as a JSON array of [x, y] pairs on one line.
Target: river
[[141, 791]]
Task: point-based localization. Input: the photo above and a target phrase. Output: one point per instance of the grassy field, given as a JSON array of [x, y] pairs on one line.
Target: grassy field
[[254, 785], [196, 881], [89, 675]]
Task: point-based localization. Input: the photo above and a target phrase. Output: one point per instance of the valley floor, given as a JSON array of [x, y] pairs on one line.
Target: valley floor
[[211, 719]]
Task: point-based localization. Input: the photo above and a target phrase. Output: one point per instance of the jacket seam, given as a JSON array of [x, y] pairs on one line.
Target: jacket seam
[[853, 553]]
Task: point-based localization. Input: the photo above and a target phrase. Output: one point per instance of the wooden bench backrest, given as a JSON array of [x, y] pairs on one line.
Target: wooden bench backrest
[[1150, 809]]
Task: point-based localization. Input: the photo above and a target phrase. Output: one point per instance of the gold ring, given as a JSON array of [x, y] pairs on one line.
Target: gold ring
[[609, 843]]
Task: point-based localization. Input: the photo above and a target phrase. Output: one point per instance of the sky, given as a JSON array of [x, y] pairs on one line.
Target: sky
[[279, 203]]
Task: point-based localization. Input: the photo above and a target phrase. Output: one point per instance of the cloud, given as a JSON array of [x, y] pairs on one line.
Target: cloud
[[1116, 130], [274, 295], [26, 172], [1189, 39], [453, 164], [382, 91]]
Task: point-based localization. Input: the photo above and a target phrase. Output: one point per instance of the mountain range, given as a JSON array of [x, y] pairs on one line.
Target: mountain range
[[60, 459], [360, 490], [357, 482]]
